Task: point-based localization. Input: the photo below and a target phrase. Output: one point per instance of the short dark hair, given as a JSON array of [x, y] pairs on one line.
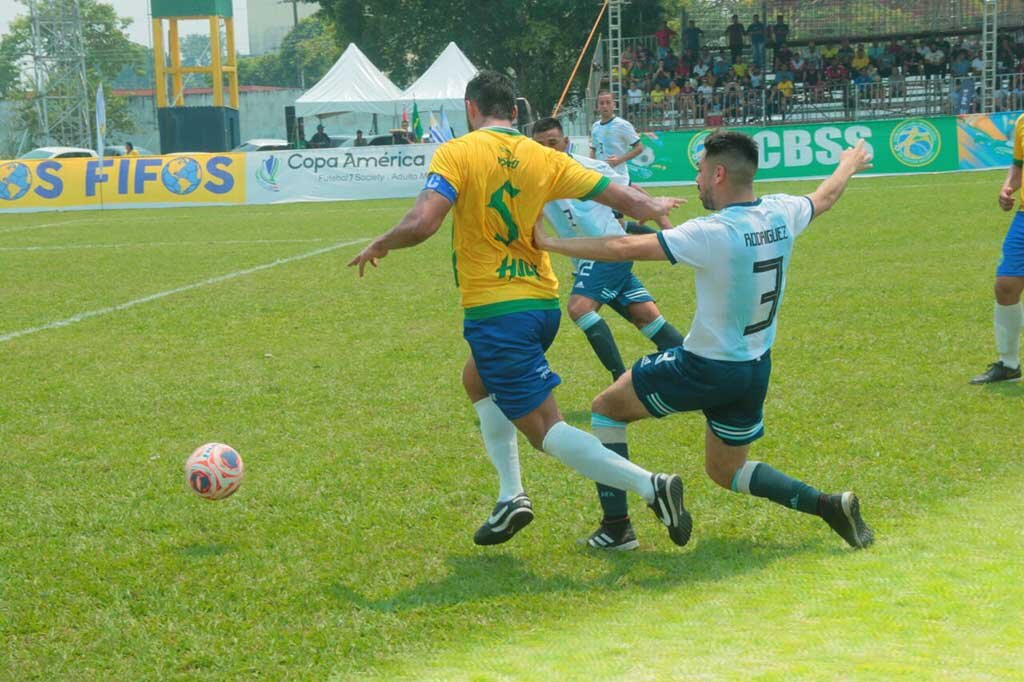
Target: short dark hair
[[545, 124], [493, 93], [736, 151], [359, 132]]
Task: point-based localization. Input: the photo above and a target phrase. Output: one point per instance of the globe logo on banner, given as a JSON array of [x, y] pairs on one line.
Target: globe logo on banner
[[696, 148], [15, 181], [266, 173], [182, 175], [915, 142]]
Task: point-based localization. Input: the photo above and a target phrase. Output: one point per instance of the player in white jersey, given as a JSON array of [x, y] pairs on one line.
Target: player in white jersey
[[613, 139], [598, 283], [741, 254]]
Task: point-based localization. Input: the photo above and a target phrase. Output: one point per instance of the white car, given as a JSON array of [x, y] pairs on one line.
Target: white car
[[59, 153], [262, 145]]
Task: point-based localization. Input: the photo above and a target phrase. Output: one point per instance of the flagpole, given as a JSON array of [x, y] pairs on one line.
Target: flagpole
[[578, 61]]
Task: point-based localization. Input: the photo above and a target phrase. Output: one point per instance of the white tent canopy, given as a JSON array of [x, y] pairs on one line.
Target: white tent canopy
[[444, 83], [353, 85]]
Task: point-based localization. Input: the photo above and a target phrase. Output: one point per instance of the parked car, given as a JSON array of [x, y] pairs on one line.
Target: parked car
[[262, 145], [119, 150], [59, 153], [342, 140]]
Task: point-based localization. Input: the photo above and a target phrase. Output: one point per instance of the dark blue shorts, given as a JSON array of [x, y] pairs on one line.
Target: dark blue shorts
[[1012, 264], [509, 354], [731, 394], [609, 283]]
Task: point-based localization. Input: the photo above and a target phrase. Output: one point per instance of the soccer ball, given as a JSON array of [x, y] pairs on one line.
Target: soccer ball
[[214, 471]]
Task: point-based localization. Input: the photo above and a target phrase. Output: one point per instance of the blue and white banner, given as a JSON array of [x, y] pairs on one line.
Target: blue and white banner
[[344, 173]]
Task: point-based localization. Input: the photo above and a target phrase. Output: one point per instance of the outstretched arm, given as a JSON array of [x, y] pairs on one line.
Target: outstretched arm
[[851, 161], [635, 203], [622, 248], [634, 152], [418, 225]]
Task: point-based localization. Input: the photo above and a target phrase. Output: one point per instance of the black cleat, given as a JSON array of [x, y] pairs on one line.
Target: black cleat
[[507, 519], [614, 537], [997, 371], [842, 513], [668, 507]]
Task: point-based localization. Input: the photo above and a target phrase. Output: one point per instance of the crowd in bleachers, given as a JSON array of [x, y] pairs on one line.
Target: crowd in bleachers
[[756, 72]]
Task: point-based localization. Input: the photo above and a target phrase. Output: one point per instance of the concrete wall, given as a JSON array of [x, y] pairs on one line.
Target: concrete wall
[[261, 114]]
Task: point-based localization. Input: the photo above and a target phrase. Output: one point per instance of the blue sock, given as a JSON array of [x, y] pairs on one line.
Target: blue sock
[[601, 340]]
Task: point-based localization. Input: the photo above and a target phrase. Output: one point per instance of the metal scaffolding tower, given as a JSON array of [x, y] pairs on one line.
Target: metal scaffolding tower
[[58, 62], [615, 49], [989, 47]]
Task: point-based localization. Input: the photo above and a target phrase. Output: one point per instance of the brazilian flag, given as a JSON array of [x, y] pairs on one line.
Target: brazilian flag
[[417, 124]]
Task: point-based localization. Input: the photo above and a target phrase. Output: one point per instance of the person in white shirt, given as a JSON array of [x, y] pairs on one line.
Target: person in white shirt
[[740, 254], [613, 139]]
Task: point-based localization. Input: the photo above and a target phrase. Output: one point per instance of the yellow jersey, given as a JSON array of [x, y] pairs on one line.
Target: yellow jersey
[[1018, 148], [499, 181]]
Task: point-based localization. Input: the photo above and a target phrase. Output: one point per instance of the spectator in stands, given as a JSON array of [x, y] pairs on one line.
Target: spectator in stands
[[720, 67], [860, 59], [978, 64], [691, 40], [360, 141], [828, 53], [320, 140], [780, 32], [935, 62], [700, 69], [634, 99], [961, 65], [835, 73], [812, 58], [885, 62], [740, 70], [663, 37], [687, 101], [734, 37], [705, 96], [670, 60], [845, 53], [662, 78], [756, 78], [757, 32], [682, 70], [799, 67], [129, 149]]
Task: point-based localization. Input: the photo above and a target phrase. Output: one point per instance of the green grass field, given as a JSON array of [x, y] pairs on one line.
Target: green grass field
[[347, 553]]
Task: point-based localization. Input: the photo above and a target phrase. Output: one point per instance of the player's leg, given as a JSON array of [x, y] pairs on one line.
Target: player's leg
[[611, 411], [583, 452], [498, 432], [513, 510], [583, 311], [651, 323], [1008, 316], [732, 426]]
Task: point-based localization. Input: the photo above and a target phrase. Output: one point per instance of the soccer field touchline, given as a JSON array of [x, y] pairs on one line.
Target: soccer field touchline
[[170, 292], [122, 245]]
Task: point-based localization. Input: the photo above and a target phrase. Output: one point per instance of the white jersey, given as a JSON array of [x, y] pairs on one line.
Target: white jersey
[[614, 138], [741, 255], [575, 218]]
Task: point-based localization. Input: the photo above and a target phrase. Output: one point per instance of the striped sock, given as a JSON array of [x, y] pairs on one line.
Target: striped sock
[[612, 435], [761, 480]]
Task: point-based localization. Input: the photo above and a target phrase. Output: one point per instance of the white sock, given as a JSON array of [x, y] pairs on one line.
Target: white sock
[[500, 442], [584, 453], [1008, 319]]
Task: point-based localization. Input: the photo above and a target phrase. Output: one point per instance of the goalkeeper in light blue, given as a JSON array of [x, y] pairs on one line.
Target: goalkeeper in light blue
[[596, 284], [740, 255]]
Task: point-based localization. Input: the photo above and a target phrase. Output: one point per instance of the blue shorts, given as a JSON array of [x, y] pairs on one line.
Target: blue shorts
[[609, 283], [509, 354], [731, 394], [1012, 264]]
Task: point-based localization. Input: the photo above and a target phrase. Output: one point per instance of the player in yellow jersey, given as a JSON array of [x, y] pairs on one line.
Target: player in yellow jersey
[[1009, 317], [498, 182]]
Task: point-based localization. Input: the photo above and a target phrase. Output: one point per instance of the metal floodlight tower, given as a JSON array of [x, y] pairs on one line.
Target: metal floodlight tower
[[615, 48], [989, 54], [58, 62]]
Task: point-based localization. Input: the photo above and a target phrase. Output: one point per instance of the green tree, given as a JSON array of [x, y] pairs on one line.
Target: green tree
[[107, 52], [535, 41]]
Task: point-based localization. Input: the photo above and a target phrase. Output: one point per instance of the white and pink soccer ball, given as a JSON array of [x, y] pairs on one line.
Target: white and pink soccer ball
[[214, 471]]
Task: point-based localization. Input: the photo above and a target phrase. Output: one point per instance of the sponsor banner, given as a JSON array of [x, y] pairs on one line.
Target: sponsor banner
[[986, 140], [912, 145], [343, 173], [122, 182]]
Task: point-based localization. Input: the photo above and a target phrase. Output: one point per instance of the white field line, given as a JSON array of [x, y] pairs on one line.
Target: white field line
[[125, 245], [170, 292], [39, 226]]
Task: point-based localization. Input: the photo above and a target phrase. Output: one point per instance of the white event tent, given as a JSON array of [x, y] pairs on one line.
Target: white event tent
[[352, 86], [443, 85]]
